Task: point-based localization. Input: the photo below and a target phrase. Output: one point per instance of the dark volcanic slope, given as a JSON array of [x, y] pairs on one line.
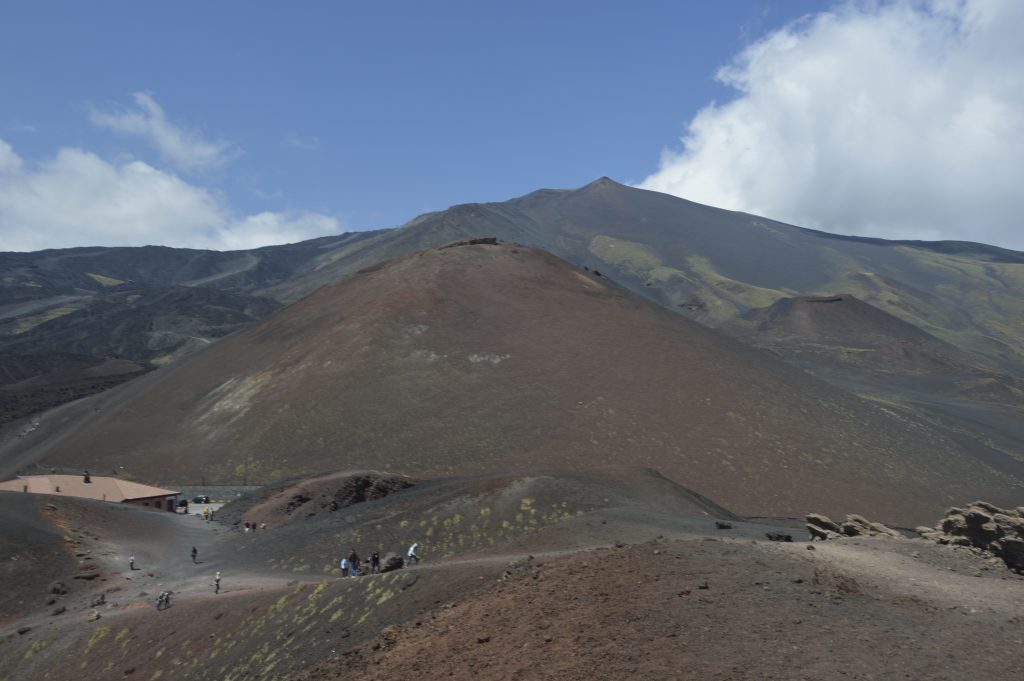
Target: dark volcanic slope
[[506, 359], [849, 331]]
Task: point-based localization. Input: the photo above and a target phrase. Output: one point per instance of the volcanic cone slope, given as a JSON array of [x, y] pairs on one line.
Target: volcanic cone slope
[[497, 358]]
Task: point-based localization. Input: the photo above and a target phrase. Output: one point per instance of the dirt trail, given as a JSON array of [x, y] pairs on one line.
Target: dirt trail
[[944, 576]]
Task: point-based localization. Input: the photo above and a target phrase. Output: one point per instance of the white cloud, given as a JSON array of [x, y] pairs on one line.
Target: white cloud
[[276, 228], [892, 119], [185, 149], [80, 199], [10, 162], [293, 139]]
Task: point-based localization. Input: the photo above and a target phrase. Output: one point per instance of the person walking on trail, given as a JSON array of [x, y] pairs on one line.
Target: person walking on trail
[[375, 562], [131, 562], [194, 554], [353, 563], [344, 567], [412, 557], [216, 583]]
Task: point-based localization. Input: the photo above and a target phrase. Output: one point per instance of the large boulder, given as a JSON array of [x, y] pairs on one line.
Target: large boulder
[[391, 562], [822, 527], [987, 529], [859, 526]]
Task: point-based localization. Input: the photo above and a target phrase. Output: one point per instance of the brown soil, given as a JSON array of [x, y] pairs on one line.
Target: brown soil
[[626, 587], [710, 610]]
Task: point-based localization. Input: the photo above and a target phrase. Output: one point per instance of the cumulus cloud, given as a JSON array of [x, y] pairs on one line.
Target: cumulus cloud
[[80, 199], [10, 162], [185, 149], [893, 119]]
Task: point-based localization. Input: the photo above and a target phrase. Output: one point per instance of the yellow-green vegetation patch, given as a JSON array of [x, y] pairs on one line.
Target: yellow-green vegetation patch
[[34, 648], [97, 636], [28, 323], [632, 257], [730, 292], [105, 280]]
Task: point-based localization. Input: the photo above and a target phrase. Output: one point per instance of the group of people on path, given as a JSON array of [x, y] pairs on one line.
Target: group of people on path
[[352, 566]]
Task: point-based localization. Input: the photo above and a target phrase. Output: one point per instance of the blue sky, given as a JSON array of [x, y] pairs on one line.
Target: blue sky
[[233, 124]]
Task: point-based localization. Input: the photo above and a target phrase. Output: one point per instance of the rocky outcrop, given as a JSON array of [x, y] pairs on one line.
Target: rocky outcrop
[[987, 529], [822, 527]]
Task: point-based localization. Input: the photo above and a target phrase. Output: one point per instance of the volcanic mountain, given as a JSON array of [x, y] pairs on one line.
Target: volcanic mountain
[[152, 304], [494, 358]]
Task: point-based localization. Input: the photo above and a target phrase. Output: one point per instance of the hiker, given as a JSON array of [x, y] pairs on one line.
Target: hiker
[[216, 583], [344, 567], [353, 563], [194, 554], [131, 562], [412, 557], [375, 562]]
